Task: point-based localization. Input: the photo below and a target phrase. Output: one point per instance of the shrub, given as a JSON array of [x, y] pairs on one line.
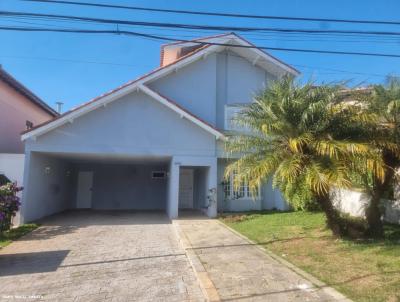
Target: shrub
[[9, 205]]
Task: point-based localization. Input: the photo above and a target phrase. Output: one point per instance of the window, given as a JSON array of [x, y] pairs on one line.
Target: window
[[231, 112], [29, 125], [243, 191], [158, 174]]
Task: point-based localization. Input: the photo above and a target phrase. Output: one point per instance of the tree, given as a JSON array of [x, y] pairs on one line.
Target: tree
[[298, 135], [383, 132]]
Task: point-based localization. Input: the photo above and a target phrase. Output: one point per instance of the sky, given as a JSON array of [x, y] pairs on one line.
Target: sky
[[74, 68]]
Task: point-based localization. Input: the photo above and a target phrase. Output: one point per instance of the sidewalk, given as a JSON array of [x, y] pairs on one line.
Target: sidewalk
[[234, 269]]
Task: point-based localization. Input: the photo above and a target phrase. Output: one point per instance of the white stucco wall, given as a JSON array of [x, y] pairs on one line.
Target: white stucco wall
[[46, 191], [12, 165], [355, 202]]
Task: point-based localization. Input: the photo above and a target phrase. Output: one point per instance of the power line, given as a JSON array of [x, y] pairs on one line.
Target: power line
[[335, 71], [156, 37], [191, 12], [339, 70], [197, 26], [257, 33], [68, 60]]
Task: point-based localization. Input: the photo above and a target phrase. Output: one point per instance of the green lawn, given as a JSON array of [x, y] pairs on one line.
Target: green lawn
[[7, 237], [362, 270]]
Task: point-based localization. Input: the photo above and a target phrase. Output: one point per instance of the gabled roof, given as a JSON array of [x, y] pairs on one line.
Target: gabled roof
[[140, 84], [228, 38], [12, 82]]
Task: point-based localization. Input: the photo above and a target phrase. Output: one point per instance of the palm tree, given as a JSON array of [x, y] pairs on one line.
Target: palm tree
[[383, 132], [298, 135]]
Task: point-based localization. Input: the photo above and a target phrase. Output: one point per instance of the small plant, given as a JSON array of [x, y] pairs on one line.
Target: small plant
[[9, 205]]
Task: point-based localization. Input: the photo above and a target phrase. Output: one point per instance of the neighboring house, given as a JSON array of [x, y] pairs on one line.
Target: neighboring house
[[156, 142], [19, 110]]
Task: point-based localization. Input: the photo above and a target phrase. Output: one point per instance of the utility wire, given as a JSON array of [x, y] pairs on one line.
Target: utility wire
[[191, 12], [95, 62], [196, 26], [393, 39], [158, 38]]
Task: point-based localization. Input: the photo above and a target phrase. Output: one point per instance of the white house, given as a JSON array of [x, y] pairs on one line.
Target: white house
[[155, 143]]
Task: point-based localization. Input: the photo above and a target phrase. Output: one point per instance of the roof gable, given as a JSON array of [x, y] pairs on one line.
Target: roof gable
[[243, 48], [102, 102], [215, 44]]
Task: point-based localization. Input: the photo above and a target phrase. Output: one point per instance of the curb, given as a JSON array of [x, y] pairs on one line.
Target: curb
[[206, 285], [317, 283]]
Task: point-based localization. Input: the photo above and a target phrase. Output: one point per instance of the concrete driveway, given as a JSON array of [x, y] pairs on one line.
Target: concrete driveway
[[99, 256]]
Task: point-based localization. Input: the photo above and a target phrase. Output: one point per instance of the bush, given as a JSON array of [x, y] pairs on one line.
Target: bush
[[9, 205], [300, 197]]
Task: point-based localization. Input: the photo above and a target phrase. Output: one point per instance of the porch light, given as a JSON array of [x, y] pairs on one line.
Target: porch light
[[47, 170]]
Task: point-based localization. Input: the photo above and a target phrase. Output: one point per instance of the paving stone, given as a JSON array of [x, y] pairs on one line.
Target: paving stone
[[99, 256], [241, 271]]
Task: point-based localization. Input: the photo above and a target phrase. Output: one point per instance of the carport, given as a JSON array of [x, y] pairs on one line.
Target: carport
[[57, 181], [61, 181]]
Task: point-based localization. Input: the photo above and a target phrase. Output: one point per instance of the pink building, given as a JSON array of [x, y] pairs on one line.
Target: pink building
[[19, 109]]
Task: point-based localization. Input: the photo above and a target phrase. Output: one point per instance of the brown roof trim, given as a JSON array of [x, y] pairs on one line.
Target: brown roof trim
[[20, 88], [223, 35], [183, 42], [115, 90]]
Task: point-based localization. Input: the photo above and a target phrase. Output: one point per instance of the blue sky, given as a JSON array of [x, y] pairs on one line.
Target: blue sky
[[74, 68]]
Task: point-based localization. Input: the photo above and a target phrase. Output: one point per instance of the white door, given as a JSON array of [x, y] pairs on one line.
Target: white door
[[84, 194], [186, 189]]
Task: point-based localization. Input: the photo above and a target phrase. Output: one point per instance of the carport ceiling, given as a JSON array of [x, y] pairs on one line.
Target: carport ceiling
[[109, 158]]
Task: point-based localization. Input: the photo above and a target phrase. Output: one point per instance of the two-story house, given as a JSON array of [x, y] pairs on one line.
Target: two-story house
[[155, 143], [20, 109]]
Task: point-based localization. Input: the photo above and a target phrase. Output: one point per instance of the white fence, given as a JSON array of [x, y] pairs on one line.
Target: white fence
[[12, 166], [355, 202]]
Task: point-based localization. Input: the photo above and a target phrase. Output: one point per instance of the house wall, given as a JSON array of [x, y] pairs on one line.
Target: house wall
[[45, 193], [15, 110], [133, 125], [193, 87], [206, 86], [125, 186]]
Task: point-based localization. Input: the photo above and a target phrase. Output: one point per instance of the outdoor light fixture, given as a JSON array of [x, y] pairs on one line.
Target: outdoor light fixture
[[47, 170]]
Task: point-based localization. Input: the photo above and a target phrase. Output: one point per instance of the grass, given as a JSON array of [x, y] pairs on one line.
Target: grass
[[7, 237], [362, 270]]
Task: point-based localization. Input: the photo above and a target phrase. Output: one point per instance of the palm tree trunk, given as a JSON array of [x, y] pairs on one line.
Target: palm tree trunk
[[374, 216], [333, 219], [373, 213]]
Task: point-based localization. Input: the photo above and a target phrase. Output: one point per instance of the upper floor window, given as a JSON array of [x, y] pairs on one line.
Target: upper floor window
[[231, 113]]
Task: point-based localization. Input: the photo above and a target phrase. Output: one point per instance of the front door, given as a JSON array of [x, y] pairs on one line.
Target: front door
[[186, 189], [84, 192]]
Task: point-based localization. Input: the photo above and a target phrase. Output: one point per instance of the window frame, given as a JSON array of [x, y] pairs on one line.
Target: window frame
[[233, 194]]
